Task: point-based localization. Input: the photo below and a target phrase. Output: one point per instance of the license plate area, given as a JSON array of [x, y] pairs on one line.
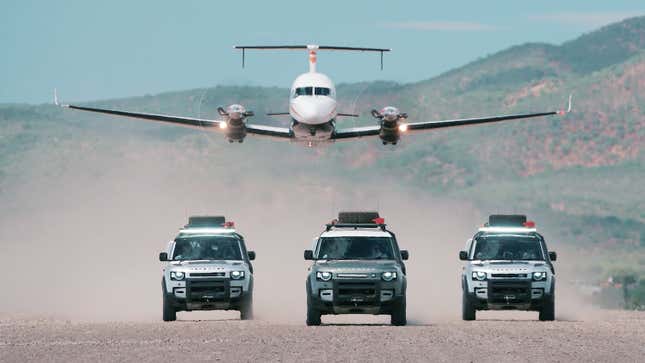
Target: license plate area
[[356, 292], [509, 292], [207, 290]]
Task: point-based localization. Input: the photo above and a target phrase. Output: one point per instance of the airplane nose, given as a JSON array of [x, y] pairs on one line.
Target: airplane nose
[[314, 110], [308, 114]]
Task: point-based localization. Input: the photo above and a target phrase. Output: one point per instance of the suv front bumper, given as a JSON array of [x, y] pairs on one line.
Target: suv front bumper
[[207, 294], [511, 294], [343, 296]]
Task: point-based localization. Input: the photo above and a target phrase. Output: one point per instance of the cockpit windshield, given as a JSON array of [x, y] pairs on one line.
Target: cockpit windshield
[[356, 248], [304, 91], [309, 91], [207, 248], [322, 91], [507, 248]]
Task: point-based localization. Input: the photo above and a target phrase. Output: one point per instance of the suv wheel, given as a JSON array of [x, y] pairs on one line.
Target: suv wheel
[[468, 311], [169, 312], [313, 314], [246, 310], [547, 312], [398, 316]]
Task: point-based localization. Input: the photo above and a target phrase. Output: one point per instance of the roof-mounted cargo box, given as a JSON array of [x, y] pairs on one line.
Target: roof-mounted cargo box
[[357, 217], [507, 220], [205, 221]]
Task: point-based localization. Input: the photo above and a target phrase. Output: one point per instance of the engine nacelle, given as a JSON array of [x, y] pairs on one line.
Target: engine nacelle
[[234, 121], [391, 126]]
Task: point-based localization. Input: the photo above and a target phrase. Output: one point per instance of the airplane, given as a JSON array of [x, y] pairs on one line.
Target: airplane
[[313, 111]]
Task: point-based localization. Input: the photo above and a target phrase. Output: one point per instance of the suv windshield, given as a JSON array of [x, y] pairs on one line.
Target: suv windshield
[[207, 248], [507, 248], [356, 248]]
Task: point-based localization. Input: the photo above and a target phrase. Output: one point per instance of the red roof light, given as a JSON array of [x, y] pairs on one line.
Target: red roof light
[[229, 224], [529, 224], [379, 220]]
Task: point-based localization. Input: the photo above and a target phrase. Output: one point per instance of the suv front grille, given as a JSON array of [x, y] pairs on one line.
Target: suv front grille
[[352, 276], [508, 275], [207, 274]]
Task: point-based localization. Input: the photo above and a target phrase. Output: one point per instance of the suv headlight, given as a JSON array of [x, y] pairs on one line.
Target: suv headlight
[[177, 275], [237, 275], [388, 275], [539, 276], [323, 275], [479, 275]]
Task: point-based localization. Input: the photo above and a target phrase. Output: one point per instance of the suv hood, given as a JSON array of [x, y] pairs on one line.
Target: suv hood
[[357, 266]]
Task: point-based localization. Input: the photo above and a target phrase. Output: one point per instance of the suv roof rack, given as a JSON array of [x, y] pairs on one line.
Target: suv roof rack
[[329, 226], [357, 220]]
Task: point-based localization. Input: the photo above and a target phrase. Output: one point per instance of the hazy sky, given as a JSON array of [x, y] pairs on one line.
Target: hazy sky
[[108, 49]]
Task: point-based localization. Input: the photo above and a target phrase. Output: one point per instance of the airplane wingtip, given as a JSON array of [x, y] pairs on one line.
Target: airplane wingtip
[[56, 103], [569, 106]]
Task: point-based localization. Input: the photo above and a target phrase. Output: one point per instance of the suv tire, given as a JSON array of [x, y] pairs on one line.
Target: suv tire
[[468, 311], [547, 312], [313, 314], [169, 312], [246, 309], [398, 315]]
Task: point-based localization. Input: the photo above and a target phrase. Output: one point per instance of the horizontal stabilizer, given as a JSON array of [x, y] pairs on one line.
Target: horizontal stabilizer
[[310, 47]]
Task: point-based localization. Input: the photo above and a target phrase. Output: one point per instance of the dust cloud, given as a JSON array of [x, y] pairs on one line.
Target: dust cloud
[[80, 238]]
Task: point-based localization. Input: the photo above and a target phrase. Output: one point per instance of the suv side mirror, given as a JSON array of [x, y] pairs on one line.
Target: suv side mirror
[[251, 255], [163, 256], [309, 255], [463, 255], [405, 254], [553, 256]]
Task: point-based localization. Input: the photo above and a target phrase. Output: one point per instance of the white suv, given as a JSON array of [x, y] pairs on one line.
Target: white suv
[[508, 267], [208, 268]]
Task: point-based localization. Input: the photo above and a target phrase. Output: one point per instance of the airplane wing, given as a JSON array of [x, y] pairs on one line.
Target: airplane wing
[[177, 120], [192, 122], [428, 125], [356, 132], [273, 131]]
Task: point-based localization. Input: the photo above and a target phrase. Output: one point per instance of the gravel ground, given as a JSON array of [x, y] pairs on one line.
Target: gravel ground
[[611, 336]]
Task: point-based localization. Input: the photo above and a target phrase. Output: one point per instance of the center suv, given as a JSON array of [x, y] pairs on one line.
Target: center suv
[[357, 269], [208, 268], [508, 267]]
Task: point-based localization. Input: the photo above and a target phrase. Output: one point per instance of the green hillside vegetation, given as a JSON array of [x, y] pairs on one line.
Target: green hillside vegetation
[[579, 175]]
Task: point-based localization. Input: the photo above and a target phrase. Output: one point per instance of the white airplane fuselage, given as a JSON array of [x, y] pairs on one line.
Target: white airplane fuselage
[[312, 107]]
